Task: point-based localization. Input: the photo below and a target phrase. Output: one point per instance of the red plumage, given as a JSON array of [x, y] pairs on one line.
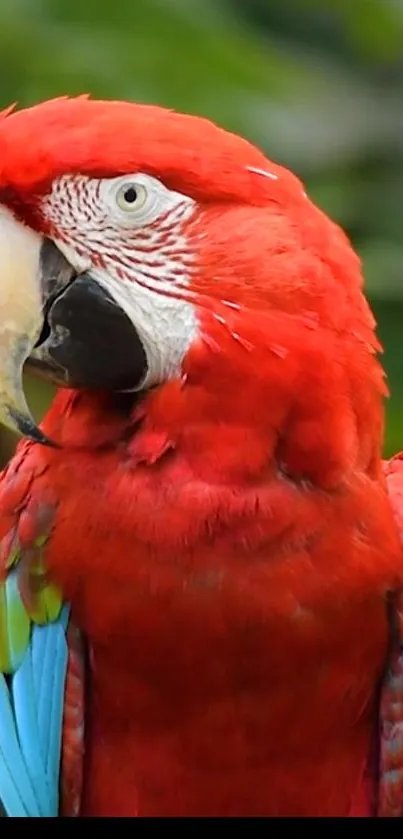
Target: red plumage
[[226, 540]]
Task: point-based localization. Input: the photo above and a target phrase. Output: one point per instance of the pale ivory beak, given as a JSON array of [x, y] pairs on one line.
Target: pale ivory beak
[[21, 318]]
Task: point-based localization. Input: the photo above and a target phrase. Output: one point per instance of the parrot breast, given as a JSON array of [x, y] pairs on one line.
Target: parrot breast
[[236, 631]]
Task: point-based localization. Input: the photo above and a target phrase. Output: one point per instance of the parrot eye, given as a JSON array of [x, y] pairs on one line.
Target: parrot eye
[[134, 200], [131, 197]]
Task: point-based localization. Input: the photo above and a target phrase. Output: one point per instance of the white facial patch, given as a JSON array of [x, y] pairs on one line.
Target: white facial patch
[[130, 233]]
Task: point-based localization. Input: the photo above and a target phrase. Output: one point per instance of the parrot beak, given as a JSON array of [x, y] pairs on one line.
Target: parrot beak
[[60, 325], [20, 319]]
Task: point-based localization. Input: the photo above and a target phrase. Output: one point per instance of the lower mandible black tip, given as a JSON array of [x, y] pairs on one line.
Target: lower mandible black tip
[[27, 428]]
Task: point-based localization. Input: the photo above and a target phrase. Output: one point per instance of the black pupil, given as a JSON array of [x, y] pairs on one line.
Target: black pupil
[[130, 194]]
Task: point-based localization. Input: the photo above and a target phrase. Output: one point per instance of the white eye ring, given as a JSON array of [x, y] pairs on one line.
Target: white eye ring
[[133, 200], [131, 197]]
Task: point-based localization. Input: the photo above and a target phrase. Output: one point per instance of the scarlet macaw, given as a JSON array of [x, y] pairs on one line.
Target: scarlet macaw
[[200, 559]]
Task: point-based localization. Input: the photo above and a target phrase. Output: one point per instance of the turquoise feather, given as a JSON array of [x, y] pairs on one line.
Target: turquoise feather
[[31, 721], [33, 668]]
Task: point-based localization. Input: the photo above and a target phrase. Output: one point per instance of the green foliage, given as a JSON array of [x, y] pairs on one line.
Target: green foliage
[[317, 83]]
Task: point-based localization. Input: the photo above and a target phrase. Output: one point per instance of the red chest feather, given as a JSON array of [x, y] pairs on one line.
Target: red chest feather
[[237, 633]]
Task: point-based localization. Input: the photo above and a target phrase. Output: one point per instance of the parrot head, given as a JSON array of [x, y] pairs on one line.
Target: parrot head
[[138, 245]]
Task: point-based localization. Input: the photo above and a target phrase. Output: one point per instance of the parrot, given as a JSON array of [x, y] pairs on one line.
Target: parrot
[[200, 544]]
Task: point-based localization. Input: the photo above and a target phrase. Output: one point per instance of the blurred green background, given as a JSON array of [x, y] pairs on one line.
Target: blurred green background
[[317, 83]]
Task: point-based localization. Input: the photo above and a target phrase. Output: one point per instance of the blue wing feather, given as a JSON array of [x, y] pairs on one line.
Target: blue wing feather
[[56, 713], [19, 793], [44, 697], [28, 730], [31, 721], [38, 645]]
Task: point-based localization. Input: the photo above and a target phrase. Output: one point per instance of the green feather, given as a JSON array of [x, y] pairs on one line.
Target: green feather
[[42, 603], [46, 599], [32, 698], [13, 557], [14, 625], [48, 605]]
